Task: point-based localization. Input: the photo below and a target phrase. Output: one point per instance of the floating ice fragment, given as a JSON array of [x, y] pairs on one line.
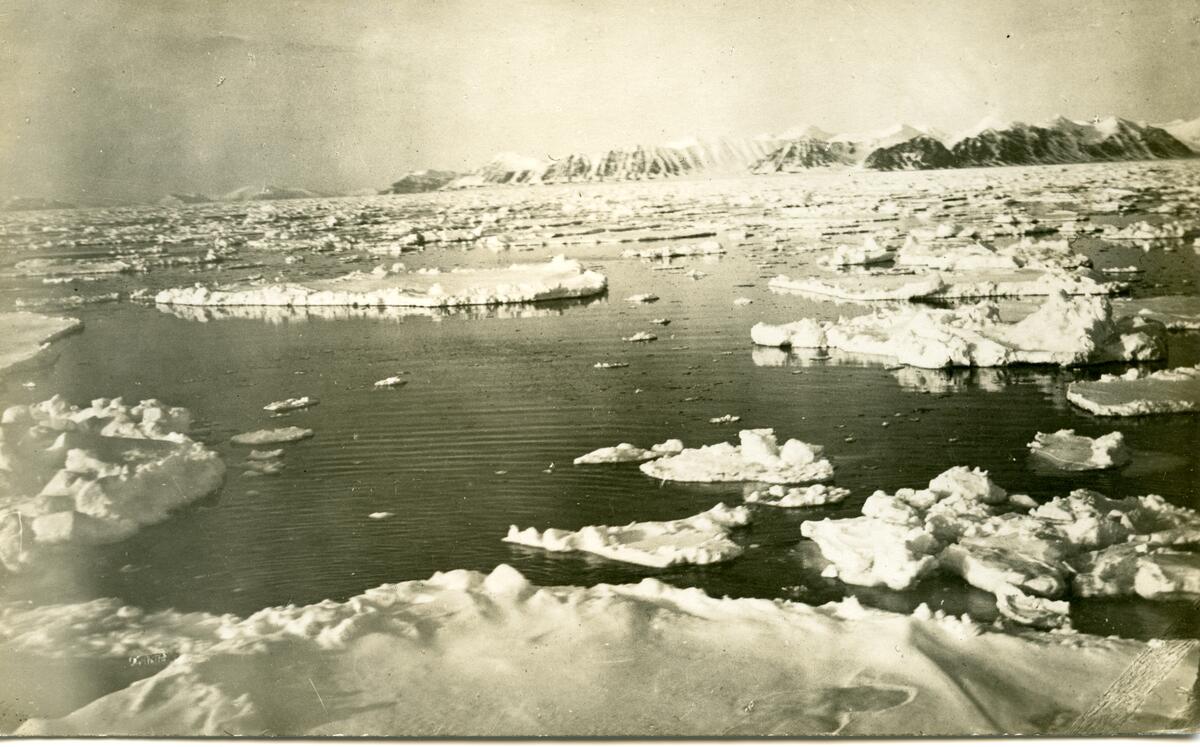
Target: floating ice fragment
[[625, 452], [641, 337], [758, 458], [696, 540], [724, 419], [390, 382], [292, 403], [642, 298], [611, 364], [809, 495], [26, 335], [742, 301], [381, 515], [255, 454], [272, 436], [1136, 393], [1068, 451]]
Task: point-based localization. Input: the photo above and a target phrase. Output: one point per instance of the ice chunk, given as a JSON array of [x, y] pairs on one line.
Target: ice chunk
[[758, 458], [642, 298], [1064, 331], [267, 455], [1068, 451], [809, 495], [696, 540], [94, 475], [1176, 312], [724, 419], [390, 382], [987, 283], [1028, 563], [625, 452], [1137, 393], [868, 253], [26, 335], [641, 337], [293, 403], [559, 278], [611, 364], [871, 552], [1032, 611], [272, 436]]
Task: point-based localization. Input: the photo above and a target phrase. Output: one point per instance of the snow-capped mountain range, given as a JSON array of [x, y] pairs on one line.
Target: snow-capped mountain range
[[992, 142]]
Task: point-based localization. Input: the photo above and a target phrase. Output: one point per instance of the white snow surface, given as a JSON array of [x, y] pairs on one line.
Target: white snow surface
[[26, 335], [625, 452], [518, 283], [272, 436], [781, 496], [757, 458], [466, 653], [1136, 393], [1064, 331], [1068, 451], [697, 540], [94, 475]]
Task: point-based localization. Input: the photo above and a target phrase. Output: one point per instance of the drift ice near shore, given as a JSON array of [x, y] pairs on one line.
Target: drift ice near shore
[[1064, 331], [1067, 451], [988, 283], [697, 540], [757, 458], [966, 524], [465, 653], [1135, 393], [27, 335], [557, 279], [94, 475]]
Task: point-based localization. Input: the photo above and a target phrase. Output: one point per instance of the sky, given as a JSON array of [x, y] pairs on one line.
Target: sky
[[132, 100]]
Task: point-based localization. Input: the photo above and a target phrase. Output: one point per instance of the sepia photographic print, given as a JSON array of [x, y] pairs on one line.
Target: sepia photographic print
[[669, 368]]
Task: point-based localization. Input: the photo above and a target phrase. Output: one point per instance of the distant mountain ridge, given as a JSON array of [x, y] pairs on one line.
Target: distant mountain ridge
[[901, 147]]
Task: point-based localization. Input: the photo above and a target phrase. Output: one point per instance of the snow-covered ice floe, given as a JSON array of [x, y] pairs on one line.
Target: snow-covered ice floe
[[697, 540], [987, 283], [781, 496], [520, 283], [867, 253], [968, 256], [272, 436], [1022, 552], [1064, 330], [26, 335], [1176, 312], [466, 653], [292, 403], [94, 475], [757, 458], [625, 452], [1136, 393], [1067, 451]]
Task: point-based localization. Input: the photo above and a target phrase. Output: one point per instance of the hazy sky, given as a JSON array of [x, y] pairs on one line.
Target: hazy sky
[[134, 99]]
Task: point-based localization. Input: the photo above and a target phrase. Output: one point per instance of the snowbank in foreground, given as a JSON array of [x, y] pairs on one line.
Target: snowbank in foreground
[[1136, 393], [465, 653], [26, 335], [696, 540], [965, 523], [1065, 331], [985, 283], [94, 475], [757, 458], [1068, 451], [558, 278]]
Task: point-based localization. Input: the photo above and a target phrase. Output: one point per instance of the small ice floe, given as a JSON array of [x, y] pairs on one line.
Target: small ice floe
[[800, 497], [390, 382], [98, 473], [27, 335], [697, 540], [642, 298], [1176, 312], [988, 283], [757, 458], [1137, 568], [641, 337], [868, 253], [611, 364], [256, 455], [676, 250], [272, 436], [1131, 269], [660, 322], [625, 452], [292, 403], [1064, 330], [1136, 393], [260, 467], [742, 301], [1067, 451], [381, 515], [724, 419]]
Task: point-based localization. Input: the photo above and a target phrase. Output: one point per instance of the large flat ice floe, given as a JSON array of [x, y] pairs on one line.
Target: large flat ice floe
[[469, 654], [1137, 393], [1023, 553], [94, 475], [26, 335], [520, 283], [986, 283], [757, 458], [1064, 331], [697, 540]]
